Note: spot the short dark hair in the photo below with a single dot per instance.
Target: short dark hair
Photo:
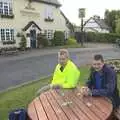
(98, 57)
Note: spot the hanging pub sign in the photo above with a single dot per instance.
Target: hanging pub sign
(81, 12)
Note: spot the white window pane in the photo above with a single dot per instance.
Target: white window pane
(12, 34)
(1, 8)
(10, 9)
(48, 12)
(2, 34)
(6, 8)
(7, 34)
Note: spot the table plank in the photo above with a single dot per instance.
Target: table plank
(32, 112)
(99, 103)
(57, 108)
(95, 109)
(76, 110)
(66, 109)
(40, 110)
(86, 110)
(105, 102)
(48, 108)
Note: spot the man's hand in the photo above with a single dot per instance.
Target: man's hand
(85, 91)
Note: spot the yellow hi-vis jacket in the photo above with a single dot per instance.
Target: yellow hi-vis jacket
(68, 78)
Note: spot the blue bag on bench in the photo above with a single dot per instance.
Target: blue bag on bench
(18, 114)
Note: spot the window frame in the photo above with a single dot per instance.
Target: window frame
(49, 34)
(49, 13)
(6, 8)
(7, 34)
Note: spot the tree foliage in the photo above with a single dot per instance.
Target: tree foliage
(42, 41)
(23, 42)
(111, 18)
(58, 38)
(117, 30)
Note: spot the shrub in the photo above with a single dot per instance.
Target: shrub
(71, 41)
(19, 34)
(23, 42)
(58, 38)
(41, 40)
(8, 42)
(102, 37)
(8, 48)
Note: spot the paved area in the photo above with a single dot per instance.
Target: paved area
(15, 70)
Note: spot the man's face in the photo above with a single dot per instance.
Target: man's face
(97, 65)
(62, 59)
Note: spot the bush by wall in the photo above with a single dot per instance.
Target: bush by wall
(71, 41)
(23, 42)
(102, 37)
(41, 41)
(58, 38)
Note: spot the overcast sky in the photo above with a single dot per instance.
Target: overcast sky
(93, 7)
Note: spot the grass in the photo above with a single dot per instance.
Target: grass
(67, 46)
(19, 97)
(22, 96)
(73, 46)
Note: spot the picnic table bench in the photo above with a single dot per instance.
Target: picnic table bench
(49, 106)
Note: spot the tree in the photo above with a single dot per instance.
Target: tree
(111, 18)
(117, 30)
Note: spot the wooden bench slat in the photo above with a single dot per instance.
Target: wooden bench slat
(47, 107)
(32, 112)
(84, 108)
(60, 114)
(66, 109)
(40, 111)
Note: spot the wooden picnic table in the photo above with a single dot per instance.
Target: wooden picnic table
(50, 106)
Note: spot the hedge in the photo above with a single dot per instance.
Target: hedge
(71, 41)
(102, 37)
(58, 38)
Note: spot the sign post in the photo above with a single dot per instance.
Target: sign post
(82, 15)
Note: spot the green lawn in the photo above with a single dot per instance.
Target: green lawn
(22, 96)
(73, 46)
(66, 46)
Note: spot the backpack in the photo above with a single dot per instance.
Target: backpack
(18, 114)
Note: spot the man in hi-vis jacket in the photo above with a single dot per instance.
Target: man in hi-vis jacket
(66, 74)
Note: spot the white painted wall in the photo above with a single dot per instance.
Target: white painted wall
(23, 16)
(94, 25)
